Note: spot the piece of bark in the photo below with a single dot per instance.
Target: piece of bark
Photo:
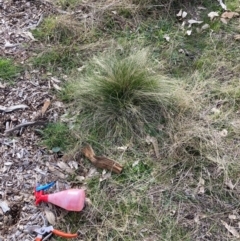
(100, 161)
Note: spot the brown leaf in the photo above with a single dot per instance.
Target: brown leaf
(229, 15)
(224, 20)
(45, 106)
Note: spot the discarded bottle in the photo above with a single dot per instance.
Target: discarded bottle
(71, 199)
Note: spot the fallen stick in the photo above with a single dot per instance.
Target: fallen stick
(101, 162)
(33, 123)
(12, 108)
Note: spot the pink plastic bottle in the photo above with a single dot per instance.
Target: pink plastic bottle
(71, 199)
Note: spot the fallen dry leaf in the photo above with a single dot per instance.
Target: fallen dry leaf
(166, 37)
(30, 35)
(237, 37)
(45, 106)
(192, 21)
(122, 148)
(201, 190)
(153, 140)
(105, 175)
(184, 14)
(4, 206)
(56, 86)
(212, 15)
(229, 184)
(50, 216)
(88, 201)
(231, 229)
(80, 178)
(53, 79)
(2, 86)
(179, 14)
(135, 163)
(189, 32)
(201, 183)
(224, 133)
(65, 167)
(229, 15)
(197, 219)
(205, 26)
(224, 20)
(232, 216)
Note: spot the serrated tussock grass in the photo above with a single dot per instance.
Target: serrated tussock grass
(122, 97)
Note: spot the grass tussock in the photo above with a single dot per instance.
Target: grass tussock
(122, 97)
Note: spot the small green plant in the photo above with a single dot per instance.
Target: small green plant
(7, 69)
(56, 136)
(120, 97)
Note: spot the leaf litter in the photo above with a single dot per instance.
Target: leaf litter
(27, 103)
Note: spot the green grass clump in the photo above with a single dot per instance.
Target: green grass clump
(121, 97)
(57, 136)
(7, 69)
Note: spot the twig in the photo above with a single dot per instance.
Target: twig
(33, 123)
